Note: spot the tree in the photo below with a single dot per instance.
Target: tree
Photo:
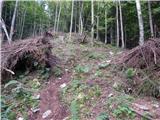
(55, 19)
(121, 24)
(92, 21)
(105, 27)
(150, 18)
(97, 37)
(59, 16)
(117, 22)
(140, 22)
(13, 21)
(71, 18)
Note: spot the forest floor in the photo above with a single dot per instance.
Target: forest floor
(89, 87)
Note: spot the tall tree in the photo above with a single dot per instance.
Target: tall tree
(97, 37)
(55, 17)
(117, 24)
(121, 24)
(59, 15)
(140, 22)
(92, 21)
(71, 18)
(105, 26)
(13, 21)
(150, 18)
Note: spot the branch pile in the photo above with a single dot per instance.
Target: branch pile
(38, 49)
(146, 56)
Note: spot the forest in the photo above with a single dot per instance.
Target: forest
(80, 60)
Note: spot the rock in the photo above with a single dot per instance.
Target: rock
(59, 78)
(63, 85)
(20, 118)
(111, 53)
(35, 110)
(108, 61)
(37, 97)
(156, 105)
(46, 114)
(110, 95)
(143, 107)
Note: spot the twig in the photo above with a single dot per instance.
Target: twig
(9, 71)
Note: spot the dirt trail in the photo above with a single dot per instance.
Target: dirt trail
(50, 100)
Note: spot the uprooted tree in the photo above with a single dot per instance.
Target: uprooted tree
(23, 54)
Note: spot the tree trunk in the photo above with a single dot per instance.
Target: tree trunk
(97, 37)
(140, 22)
(1, 4)
(24, 16)
(150, 18)
(71, 18)
(81, 30)
(105, 26)
(59, 16)
(117, 16)
(121, 23)
(13, 21)
(92, 22)
(55, 19)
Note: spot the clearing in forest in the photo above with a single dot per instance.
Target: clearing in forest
(85, 86)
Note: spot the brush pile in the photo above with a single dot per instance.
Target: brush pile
(26, 51)
(143, 57)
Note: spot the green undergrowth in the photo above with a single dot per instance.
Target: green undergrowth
(21, 94)
(119, 107)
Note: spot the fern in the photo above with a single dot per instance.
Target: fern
(74, 110)
(103, 116)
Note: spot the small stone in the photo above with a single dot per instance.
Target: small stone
(156, 105)
(20, 118)
(35, 110)
(37, 97)
(111, 53)
(46, 114)
(59, 78)
(110, 95)
(143, 107)
(108, 61)
(63, 85)
(66, 70)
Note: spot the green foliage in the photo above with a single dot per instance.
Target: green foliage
(103, 65)
(130, 73)
(82, 69)
(123, 111)
(57, 71)
(98, 73)
(95, 56)
(74, 110)
(102, 116)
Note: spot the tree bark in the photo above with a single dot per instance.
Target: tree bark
(97, 37)
(105, 27)
(24, 16)
(140, 22)
(150, 19)
(13, 21)
(81, 21)
(71, 18)
(92, 22)
(55, 20)
(117, 20)
(121, 24)
(59, 16)
(1, 4)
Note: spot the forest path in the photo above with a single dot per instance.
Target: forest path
(91, 81)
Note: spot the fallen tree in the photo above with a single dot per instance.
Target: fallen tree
(146, 56)
(23, 54)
